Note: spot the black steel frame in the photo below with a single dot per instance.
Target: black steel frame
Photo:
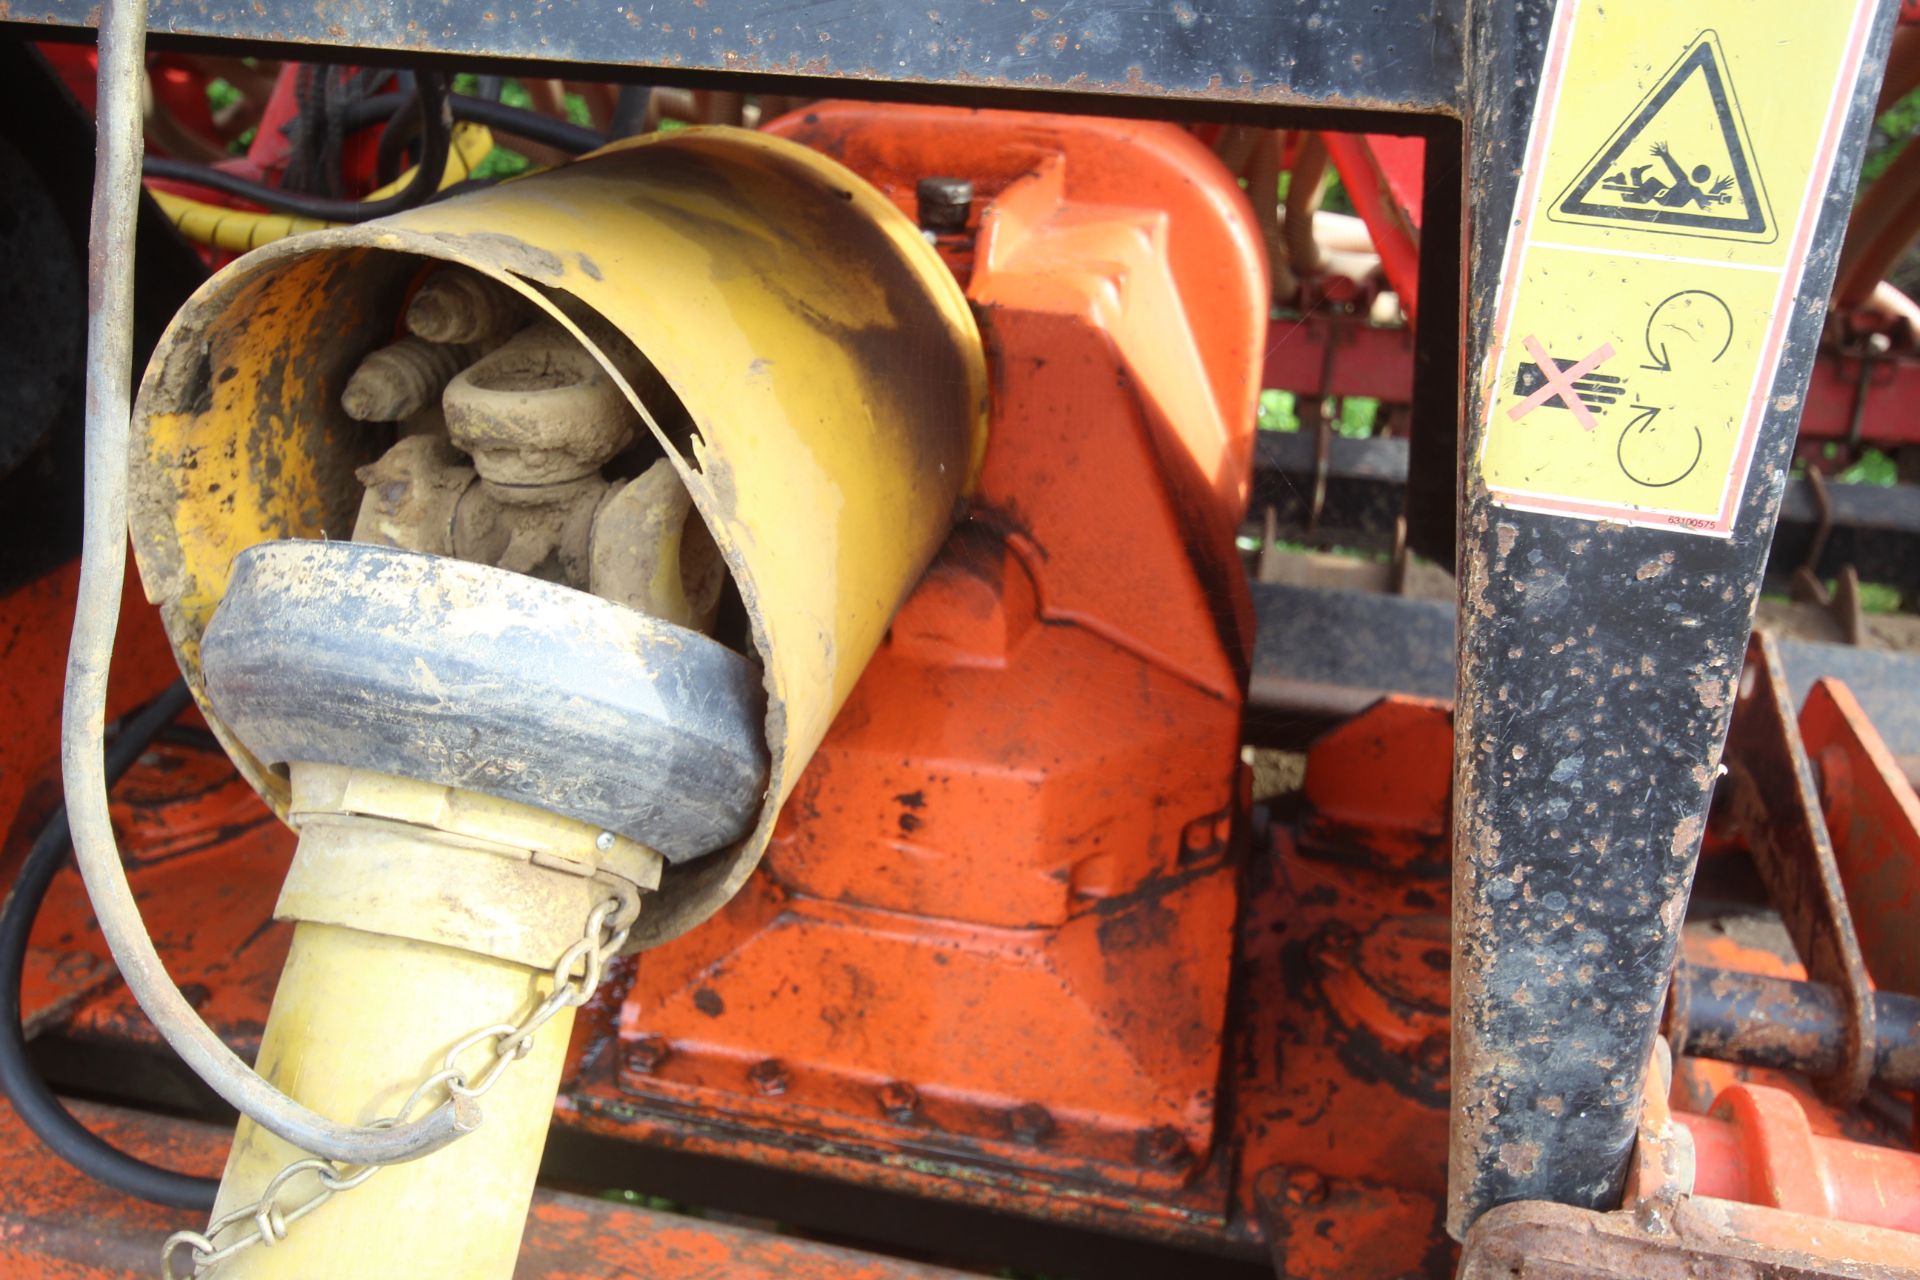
(1580, 792)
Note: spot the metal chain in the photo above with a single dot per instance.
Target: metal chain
(605, 934)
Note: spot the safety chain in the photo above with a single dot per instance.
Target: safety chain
(605, 934)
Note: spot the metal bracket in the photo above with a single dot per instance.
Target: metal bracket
(1774, 800)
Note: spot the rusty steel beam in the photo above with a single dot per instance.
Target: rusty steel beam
(1873, 817)
(1711, 1240)
(1369, 486)
(1352, 54)
(1773, 799)
(1597, 661)
(1386, 644)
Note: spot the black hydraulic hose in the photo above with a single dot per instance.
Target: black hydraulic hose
(436, 127)
(32, 1100)
(496, 116)
(630, 111)
(518, 122)
(561, 135)
(401, 128)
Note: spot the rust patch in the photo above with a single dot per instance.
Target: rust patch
(1520, 1158)
(1713, 693)
(1654, 568)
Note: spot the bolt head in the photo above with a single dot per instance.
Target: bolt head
(644, 1056)
(1306, 1186)
(1162, 1147)
(944, 203)
(1031, 1123)
(604, 841)
(769, 1077)
(900, 1102)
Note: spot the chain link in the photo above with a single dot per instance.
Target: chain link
(575, 977)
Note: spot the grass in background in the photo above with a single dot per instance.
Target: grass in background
(1354, 418)
(1878, 597)
(501, 162)
(1890, 132)
(1874, 468)
(1880, 470)
(1333, 197)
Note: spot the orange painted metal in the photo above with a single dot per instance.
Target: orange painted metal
(1382, 790)
(1335, 1076)
(1135, 230)
(995, 924)
(57, 1225)
(1342, 1069)
(1382, 176)
(207, 860)
(34, 623)
(1758, 1147)
(1337, 1080)
(35, 620)
(1747, 1191)
(1319, 1228)
(1874, 819)
(181, 799)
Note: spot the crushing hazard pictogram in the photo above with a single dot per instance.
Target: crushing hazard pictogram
(1646, 293)
(1682, 162)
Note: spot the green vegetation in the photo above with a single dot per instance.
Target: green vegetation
(1353, 416)
(1878, 597)
(504, 161)
(1334, 198)
(1874, 468)
(1890, 133)
(1880, 470)
(501, 162)
(221, 95)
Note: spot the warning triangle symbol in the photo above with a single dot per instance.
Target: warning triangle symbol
(1682, 163)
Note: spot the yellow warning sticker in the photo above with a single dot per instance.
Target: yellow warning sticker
(1682, 162)
(1666, 206)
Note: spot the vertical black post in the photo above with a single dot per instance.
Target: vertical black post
(1598, 653)
(1433, 445)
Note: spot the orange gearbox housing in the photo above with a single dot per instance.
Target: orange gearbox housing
(996, 921)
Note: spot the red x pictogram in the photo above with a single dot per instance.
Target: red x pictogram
(1559, 382)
